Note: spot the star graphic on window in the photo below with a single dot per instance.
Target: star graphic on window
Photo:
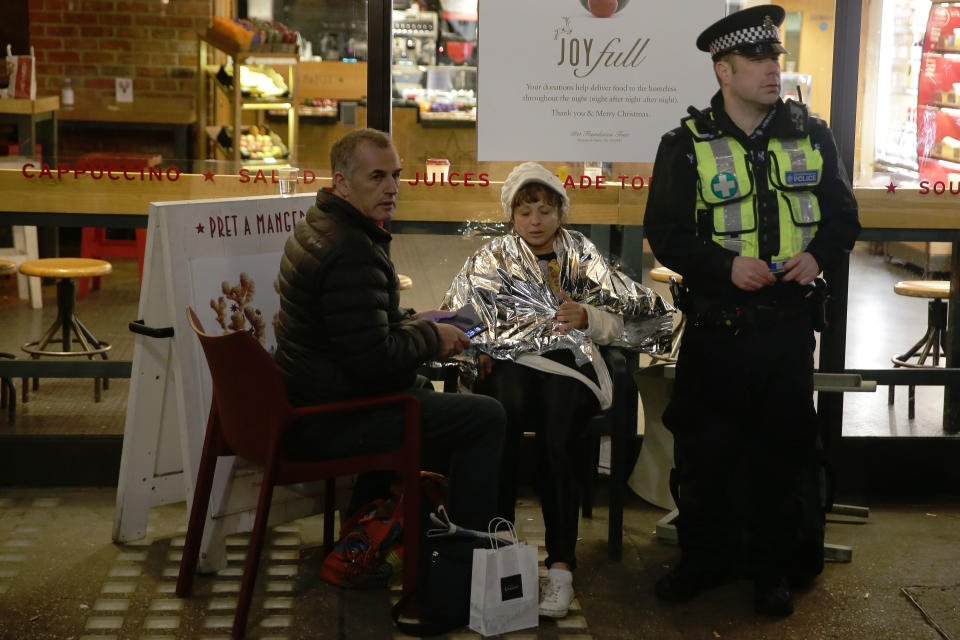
(234, 308)
(199, 228)
(207, 175)
(891, 188)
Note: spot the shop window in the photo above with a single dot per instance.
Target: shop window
(331, 73)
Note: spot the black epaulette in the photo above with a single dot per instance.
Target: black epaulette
(669, 136)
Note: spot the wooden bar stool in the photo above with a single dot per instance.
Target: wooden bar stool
(932, 343)
(8, 391)
(67, 323)
(675, 280)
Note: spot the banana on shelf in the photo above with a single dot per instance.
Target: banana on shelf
(256, 81)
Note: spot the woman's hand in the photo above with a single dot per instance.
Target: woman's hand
(570, 315)
(484, 366)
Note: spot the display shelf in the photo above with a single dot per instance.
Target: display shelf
(305, 110)
(209, 87)
(273, 51)
(214, 138)
(248, 102)
(447, 118)
(954, 164)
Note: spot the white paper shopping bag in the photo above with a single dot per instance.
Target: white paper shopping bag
(504, 585)
(23, 76)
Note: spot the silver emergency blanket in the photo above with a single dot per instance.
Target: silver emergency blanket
(504, 283)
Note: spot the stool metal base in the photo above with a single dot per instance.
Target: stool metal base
(69, 328)
(929, 346)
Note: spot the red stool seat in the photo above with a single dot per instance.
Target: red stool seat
(94, 242)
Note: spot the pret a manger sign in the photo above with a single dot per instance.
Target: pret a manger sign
(591, 80)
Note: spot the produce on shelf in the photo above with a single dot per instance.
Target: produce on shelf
(256, 142)
(263, 35)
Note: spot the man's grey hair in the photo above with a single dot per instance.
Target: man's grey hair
(342, 154)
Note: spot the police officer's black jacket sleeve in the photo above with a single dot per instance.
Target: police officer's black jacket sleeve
(670, 219)
(840, 223)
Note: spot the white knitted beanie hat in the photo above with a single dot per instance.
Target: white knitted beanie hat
(526, 173)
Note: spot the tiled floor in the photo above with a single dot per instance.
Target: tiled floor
(62, 578)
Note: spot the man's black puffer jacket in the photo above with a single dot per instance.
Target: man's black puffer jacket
(341, 332)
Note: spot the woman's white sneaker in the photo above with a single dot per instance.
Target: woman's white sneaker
(556, 594)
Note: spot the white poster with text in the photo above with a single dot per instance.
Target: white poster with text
(588, 80)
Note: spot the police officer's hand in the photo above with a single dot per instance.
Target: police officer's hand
(751, 274)
(802, 267)
(484, 366)
(570, 315)
(452, 340)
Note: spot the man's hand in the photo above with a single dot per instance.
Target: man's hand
(570, 315)
(751, 274)
(484, 366)
(452, 340)
(802, 267)
(434, 314)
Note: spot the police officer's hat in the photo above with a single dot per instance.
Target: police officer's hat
(752, 32)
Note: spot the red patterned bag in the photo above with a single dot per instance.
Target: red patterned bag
(359, 559)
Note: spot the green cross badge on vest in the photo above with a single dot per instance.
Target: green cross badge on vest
(724, 185)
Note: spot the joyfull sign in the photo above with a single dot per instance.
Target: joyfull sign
(598, 81)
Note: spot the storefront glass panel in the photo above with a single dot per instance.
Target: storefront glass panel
(907, 123)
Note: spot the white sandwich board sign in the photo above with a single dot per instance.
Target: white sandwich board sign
(222, 258)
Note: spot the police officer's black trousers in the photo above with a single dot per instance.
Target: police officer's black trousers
(747, 474)
(557, 408)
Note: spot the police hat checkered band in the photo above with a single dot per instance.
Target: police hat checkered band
(759, 34)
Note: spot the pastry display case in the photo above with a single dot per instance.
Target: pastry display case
(443, 95)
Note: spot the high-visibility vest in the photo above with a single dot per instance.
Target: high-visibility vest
(726, 193)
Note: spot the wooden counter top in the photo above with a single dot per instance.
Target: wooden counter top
(905, 209)
(40, 105)
(141, 111)
(104, 196)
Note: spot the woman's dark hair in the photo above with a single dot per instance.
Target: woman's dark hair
(533, 191)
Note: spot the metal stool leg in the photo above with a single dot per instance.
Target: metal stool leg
(8, 391)
(69, 327)
(929, 346)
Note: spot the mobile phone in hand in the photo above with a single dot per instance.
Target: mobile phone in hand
(467, 320)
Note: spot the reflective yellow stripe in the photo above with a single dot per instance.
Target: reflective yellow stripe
(795, 170)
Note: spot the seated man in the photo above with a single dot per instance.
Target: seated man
(342, 334)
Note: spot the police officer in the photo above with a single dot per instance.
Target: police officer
(749, 204)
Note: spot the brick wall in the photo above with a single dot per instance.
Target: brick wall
(94, 41)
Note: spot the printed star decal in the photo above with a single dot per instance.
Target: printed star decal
(208, 175)
(199, 228)
(891, 188)
(234, 308)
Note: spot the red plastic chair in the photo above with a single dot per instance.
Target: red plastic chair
(94, 243)
(248, 417)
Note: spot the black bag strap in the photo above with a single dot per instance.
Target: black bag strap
(420, 629)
